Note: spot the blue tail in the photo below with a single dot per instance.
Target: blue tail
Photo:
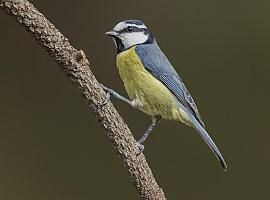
(202, 132)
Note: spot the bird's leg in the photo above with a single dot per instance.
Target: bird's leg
(112, 93)
(155, 121)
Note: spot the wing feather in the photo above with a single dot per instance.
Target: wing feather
(159, 66)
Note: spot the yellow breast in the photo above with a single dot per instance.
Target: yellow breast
(141, 86)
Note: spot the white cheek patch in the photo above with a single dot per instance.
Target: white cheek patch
(131, 39)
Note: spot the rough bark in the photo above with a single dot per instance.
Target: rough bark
(76, 67)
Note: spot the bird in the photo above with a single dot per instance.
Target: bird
(152, 84)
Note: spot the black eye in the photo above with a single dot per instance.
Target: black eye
(129, 29)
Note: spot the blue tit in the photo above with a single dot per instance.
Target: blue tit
(151, 82)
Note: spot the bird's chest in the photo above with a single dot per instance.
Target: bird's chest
(132, 72)
(141, 86)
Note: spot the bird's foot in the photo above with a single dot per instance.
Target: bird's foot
(141, 146)
(109, 93)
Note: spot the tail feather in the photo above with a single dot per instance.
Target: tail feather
(202, 132)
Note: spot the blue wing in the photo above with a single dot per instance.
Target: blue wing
(159, 66)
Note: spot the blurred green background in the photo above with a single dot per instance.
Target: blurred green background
(51, 146)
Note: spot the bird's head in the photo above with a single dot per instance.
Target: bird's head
(129, 33)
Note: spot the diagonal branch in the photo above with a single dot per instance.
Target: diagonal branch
(76, 67)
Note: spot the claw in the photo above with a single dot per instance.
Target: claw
(108, 95)
(106, 100)
(141, 146)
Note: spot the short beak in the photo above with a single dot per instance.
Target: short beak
(112, 33)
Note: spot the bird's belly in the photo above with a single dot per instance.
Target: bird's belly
(152, 95)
